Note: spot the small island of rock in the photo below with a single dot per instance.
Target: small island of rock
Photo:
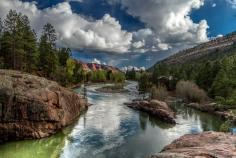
(158, 108)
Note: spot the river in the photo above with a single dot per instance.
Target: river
(109, 129)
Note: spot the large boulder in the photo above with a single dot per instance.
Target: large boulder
(34, 107)
(203, 145)
(160, 104)
(155, 107)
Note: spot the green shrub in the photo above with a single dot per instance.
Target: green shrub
(159, 93)
(190, 91)
(225, 127)
(227, 102)
(117, 77)
(220, 99)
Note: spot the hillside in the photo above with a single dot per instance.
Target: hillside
(211, 66)
(217, 47)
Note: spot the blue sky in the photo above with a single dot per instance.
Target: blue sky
(221, 19)
(129, 32)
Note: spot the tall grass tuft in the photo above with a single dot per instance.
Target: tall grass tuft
(159, 93)
(190, 91)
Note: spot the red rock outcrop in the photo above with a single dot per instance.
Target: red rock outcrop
(95, 67)
(203, 145)
(34, 107)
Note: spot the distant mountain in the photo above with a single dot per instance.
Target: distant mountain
(95, 67)
(213, 49)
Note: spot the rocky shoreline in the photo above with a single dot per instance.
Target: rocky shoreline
(203, 145)
(33, 107)
(154, 107)
(213, 108)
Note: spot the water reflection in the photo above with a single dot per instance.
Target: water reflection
(108, 124)
(144, 118)
(43, 148)
(110, 129)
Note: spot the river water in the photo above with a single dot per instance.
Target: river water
(109, 129)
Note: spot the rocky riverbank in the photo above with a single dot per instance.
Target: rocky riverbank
(216, 109)
(203, 145)
(154, 107)
(34, 107)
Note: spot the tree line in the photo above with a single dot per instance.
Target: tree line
(20, 49)
(133, 74)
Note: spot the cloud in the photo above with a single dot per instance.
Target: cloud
(129, 68)
(232, 3)
(214, 5)
(96, 61)
(73, 30)
(75, 1)
(146, 40)
(138, 44)
(168, 23)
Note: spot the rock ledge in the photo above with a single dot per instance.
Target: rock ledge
(34, 107)
(203, 145)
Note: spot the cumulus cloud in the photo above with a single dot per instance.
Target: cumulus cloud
(73, 30)
(168, 23)
(232, 3)
(96, 61)
(138, 44)
(146, 40)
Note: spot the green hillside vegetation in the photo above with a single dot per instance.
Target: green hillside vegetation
(214, 73)
(21, 50)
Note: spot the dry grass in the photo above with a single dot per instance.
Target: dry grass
(159, 93)
(190, 91)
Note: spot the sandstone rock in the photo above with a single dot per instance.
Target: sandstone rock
(203, 145)
(34, 107)
(154, 107)
(160, 104)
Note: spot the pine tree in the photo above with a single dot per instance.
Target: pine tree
(19, 43)
(30, 45)
(50, 33)
(9, 39)
(1, 55)
(63, 55)
(48, 53)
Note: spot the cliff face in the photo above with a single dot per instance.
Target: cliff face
(34, 107)
(95, 67)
